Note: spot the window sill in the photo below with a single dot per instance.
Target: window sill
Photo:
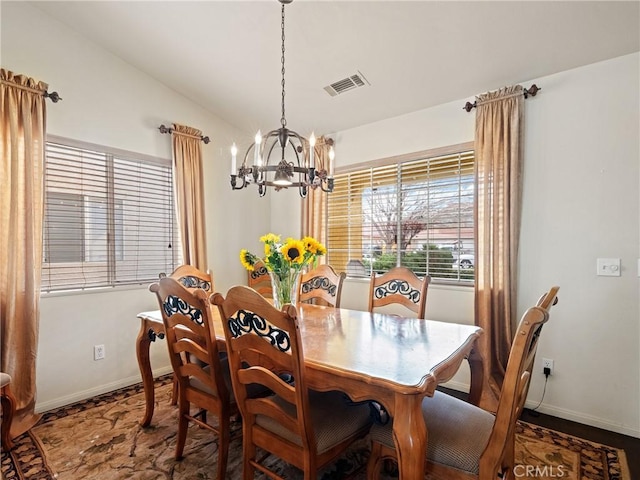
(93, 291)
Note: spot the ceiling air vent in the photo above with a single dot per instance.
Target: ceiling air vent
(346, 84)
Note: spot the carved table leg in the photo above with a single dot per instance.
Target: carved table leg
(477, 375)
(410, 436)
(148, 332)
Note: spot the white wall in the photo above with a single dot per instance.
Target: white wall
(108, 102)
(581, 201)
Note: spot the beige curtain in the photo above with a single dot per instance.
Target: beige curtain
(314, 207)
(22, 137)
(498, 150)
(187, 161)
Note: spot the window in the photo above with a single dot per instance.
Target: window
(109, 217)
(415, 211)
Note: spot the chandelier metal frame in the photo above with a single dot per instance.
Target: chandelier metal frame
(284, 171)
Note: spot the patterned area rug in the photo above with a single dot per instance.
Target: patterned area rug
(101, 439)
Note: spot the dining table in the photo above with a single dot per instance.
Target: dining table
(394, 361)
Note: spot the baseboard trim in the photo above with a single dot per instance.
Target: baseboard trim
(92, 392)
(564, 413)
(583, 418)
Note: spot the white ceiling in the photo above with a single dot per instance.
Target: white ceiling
(225, 55)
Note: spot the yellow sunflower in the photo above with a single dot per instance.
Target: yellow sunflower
(313, 246)
(293, 251)
(270, 238)
(247, 259)
(310, 244)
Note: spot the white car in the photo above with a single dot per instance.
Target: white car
(465, 261)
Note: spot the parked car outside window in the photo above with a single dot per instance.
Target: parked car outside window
(465, 261)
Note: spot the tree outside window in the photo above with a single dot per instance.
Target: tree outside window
(418, 214)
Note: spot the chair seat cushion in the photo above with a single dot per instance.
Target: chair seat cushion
(334, 419)
(458, 432)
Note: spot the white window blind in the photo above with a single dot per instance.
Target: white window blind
(109, 217)
(417, 213)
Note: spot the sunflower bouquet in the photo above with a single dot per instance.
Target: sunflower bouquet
(284, 262)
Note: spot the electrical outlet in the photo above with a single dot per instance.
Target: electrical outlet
(98, 352)
(547, 363)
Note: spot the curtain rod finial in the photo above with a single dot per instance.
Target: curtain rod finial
(532, 90)
(55, 98)
(469, 106)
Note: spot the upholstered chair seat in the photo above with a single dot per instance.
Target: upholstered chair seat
(333, 422)
(459, 447)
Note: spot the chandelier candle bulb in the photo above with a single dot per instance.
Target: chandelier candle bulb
(234, 152)
(332, 156)
(256, 151)
(312, 145)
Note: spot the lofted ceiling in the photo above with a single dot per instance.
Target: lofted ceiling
(411, 55)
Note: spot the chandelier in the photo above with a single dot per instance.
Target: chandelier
(296, 164)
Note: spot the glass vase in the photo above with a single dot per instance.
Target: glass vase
(285, 288)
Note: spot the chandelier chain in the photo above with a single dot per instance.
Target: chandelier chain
(265, 172)
(283, 120)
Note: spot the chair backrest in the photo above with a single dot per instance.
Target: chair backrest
(259, 280)
(322, 286)
(263, 343)
(190, 277)
(191, 340)
(399, 286)
(516, 381)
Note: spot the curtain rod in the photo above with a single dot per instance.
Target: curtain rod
(532, 90)
(55, 98)
(164, 129)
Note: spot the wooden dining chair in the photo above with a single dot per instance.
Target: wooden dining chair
(305, 428)
(322, 286)
(8, 402)
(464, 441)
(203, 376)
(259, 280)
(191, 278)
(399, 286)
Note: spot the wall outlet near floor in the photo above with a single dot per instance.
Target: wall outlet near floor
(547, 363)
(98, 352)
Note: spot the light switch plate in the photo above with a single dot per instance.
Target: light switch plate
(608, 267)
